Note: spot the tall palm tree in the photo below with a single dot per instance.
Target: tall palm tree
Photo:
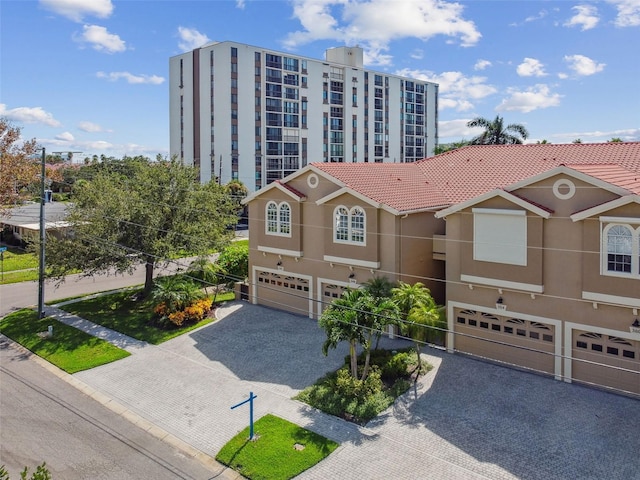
(496, 133)
(419, 311)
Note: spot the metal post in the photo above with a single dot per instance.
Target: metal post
(42, 239)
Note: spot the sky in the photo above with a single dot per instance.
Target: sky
(91, 76)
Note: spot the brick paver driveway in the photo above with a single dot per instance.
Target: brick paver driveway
(466, 419)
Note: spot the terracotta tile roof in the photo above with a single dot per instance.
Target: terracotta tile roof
(467, 172)
(613, 174)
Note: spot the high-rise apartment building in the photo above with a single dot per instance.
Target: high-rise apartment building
(257, 115)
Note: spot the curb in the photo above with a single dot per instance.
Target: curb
(219, 470)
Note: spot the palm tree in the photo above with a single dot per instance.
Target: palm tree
(340, 322)
(496, 133)
(419, 311)
(175, 292)
(357, 317)
(206, 271)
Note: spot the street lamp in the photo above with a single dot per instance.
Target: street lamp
(42, 239)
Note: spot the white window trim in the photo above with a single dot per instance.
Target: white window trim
(497, 253)
(349, 226)
(633, 224)
(279, 232)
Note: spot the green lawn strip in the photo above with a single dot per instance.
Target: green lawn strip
(335, 396)
(120, 311)
(70, 349)
(16, 277)
(16, 259)
(273, 454)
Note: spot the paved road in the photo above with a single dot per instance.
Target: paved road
(44, 418)
(15, 296)
(465, 420)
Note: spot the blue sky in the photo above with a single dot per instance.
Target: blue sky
(92, 75)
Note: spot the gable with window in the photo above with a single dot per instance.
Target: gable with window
(349, 225)
(620, 251)
(278, 217)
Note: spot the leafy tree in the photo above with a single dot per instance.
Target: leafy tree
(357, 317)
(615, 140)
(577, 140)
(496, 133)
(140, 212)
(18, 168)
(419, 310)
(543, 142)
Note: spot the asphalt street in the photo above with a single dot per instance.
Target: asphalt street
(46, 418)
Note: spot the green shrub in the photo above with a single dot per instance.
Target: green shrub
(234, 263)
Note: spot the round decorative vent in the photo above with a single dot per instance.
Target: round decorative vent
(564, 189)
(312, 180)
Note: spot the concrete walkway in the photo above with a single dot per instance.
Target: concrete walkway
(118, 339)
(464, 420)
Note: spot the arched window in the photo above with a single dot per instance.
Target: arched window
(350, 225)
(285, 218)
(621, 247)
(278, 219)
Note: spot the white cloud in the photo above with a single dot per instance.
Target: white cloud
(455, 89)
(628, 13)
(586, 17)
(627, 135)
(563, 76)
(455, 129)
(374, 24)
(583, 66)
(131, 78)
(101, 40)
(190, 38)
(541, 14)
(29, 115)
(482, 64)
(240, 4)
(76, 10)
(90, 127)
(417, 54)
(531, 67)
(65, 137)
(534, 98)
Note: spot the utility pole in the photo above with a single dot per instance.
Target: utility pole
(42, 240)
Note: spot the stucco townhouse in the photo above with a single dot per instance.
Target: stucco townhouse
(534, 249)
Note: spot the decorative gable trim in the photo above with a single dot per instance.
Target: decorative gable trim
(349, 191)
(605, 207)
(521, 202)
(294, 194)
(564, 170)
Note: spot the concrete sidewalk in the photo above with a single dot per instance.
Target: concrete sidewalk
(118, 339)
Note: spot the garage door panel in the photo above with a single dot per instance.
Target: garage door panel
(283, 291)
(505, 339)
(606, 360)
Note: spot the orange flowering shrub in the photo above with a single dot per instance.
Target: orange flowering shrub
(193, 313)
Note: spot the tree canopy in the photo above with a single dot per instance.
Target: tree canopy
(137, 211)
(497, 133)
(18, 169)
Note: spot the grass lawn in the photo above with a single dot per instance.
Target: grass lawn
(275, 454)
(341, 395)
(17, 259)
(16, 277)
(119, 311)
(69, 349)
